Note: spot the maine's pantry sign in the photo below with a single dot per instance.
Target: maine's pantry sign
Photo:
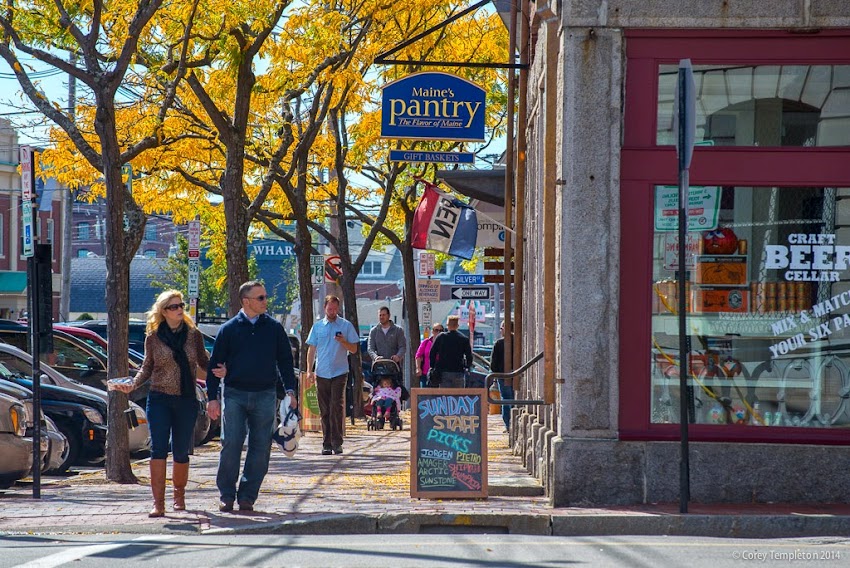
(433, 106)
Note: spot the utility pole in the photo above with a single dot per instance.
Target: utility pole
(68, 213)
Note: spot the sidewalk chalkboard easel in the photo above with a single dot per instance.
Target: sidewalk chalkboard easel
(448, 448)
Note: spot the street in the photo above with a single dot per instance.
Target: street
(418, 550)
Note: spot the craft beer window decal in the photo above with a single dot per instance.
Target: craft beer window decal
(768, 300)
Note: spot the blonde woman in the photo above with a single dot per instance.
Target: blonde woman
(174, 348)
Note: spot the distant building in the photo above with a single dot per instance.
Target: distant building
(89, 232)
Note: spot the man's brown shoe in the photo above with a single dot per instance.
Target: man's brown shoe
(246, 506)
(225, 506)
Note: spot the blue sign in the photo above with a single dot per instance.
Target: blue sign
(433, 106)
(432, 157)
(463, 279)
(271, 249)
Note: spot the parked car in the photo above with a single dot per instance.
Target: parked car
(26, 399)
(86, 364)
(16, 360)
(80, 417)
(59, 448)
(15, 447)
(136, 331)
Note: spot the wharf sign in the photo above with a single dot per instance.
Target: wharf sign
(433, 106)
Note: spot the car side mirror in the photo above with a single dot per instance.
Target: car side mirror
(93, 364)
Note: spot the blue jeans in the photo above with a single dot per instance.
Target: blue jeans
(507, 393)
(171, 417)
(250, 414)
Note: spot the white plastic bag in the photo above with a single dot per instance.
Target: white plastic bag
(288, 433)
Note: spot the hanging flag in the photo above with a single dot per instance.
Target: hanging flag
(444, 223)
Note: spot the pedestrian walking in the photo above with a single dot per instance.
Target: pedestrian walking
(386, 339)
(451, 356)
(423, 361)
(497, 365)
(251, 354)
(330, 341)
(174, 349)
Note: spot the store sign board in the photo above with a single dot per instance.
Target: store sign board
(703, 208)
(432, 157)
(433, 106)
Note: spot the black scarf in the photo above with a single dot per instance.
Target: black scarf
(176, 341)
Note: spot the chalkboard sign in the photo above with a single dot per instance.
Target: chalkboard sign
(448, 448)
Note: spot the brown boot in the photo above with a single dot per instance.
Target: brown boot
(179, 477)
(158, 488)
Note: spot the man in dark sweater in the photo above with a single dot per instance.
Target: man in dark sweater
(251, 354)
(451, 356)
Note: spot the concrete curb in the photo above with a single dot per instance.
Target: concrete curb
(728, 526)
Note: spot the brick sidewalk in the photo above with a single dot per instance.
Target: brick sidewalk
(366, 489)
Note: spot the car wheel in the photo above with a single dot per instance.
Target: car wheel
(214, 431)
(74, 446)
(202, 428)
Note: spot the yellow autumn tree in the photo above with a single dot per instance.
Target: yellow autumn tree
(100, 44)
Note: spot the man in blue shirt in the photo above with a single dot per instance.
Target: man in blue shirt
(251, 354)
(330, 341)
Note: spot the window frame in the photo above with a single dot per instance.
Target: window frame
(644, 165)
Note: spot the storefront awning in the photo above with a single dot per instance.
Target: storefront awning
(484, 185)
(13, 282)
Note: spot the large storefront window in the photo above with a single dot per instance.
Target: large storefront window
(763, 105)
(768, 301)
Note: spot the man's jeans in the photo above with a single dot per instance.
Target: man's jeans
(507, 393)
(252, 414)
(452, 380)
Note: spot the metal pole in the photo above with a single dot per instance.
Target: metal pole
(684, 463)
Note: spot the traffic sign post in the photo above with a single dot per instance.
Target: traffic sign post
(26, 200)
(333, 268)
(193, 279)
(317, 269)
(426, 263)
(426, 316)
(471, 292)
(428, 290)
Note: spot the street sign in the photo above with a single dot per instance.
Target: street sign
(426, 314)
(426, 263)
(428, 290)
(466, 279)
(471, 292)
(194, 279)
(333, 268)
(194, 236)
(26, 199)
(317, 269)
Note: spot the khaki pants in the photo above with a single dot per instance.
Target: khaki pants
(331, 394)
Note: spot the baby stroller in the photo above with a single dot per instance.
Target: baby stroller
(385, 369)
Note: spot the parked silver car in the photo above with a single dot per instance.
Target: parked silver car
(58, 450)
(15, 447)
(21, 362)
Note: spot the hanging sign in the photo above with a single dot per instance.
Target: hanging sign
(433, 106)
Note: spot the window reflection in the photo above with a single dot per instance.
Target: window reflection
(764, 105)
(768, 301)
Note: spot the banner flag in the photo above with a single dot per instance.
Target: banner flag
(444, 223)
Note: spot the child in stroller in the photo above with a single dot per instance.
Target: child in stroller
(386, 396)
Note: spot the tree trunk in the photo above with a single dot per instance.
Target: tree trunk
(236, 217)
(349, 299)
(412, 303)
(303, 249)
(117, 296)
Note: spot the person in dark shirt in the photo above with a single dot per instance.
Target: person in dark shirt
(251, 354)
(497, 365)
(451, 356)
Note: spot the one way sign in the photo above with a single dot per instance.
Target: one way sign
(471, 292)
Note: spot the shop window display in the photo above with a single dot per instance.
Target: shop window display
(768, 302)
